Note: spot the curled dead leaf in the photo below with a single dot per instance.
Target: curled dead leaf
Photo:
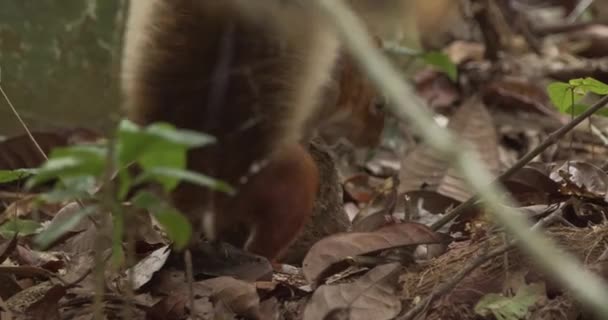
(334, 249)
(145, 269)
(370, 297)
(240, 296)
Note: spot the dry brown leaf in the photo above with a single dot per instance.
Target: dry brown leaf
(167, 281)
(530, 186)
(424, 168)
(430, 201)
(240, 296)
(436, 89)
(78, 271)
(590, 42)
(39, 301)
(582, 179)
(52, 261)
(8, 286)
(20, 208)
(358, 188)
(7, 247)
(269, 309)
(25, 271)
(224, 259)
(93, 238)
(512, 94)
(215, 298)
(373, 296)
(174, 307)
(144, 269)
(66, 213)
(381, 206)
(331, 250)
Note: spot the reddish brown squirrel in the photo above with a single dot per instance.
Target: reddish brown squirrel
(256, 75)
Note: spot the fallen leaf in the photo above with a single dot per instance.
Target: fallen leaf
(530, 186)
(424, 168)
(7, 247)
(582, 179)
(8, 286)
(436, 88)
(334, 249)
(38, 300)
(373, 296)
(240, 296)
(144, 269)
(382, 205)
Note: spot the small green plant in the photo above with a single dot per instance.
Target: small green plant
(22, 227)
(510, 308)
(7, 176)
(442, 62)
(567, 96)
(158, 150)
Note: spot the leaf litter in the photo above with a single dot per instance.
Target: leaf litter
(376, 269)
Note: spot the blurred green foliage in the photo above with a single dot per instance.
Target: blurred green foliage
(59, 62)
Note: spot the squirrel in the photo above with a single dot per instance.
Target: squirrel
(255, 75)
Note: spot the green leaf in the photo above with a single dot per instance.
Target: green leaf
(176, 225)
(23, 227)
(59, 195)
(14, 175)
(576, 82)
(80, 187)
(591, 85)
(75, 161)
(169, 177)
(578, 108)
(159, 145)
(514, 308)
(92, 153)
(156, 144)
(442, 62)
(182, 137)
(146, 200)
(56, 230)
(164, 155)
(562, 95)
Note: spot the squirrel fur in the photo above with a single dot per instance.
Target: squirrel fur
(253, 74)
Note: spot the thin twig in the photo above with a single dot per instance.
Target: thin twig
(25, 127)
(190, 280)
(590, 289)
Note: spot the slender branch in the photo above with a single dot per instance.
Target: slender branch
(25, 127)
(406, 105)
